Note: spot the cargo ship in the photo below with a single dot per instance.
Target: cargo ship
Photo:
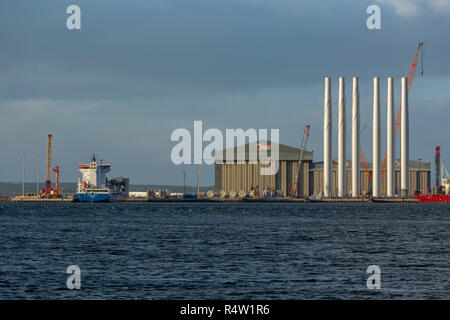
(94, 186)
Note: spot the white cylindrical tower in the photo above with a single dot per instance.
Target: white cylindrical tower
(355, 139)
(404, 143)
(376, 138)
(390, 142)
(327, 149)
(342, 174)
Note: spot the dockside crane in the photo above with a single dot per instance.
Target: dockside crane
(56, 190)
(412, 71)
(418, 54)
(437, 165)
(441, 186)
(294, 189)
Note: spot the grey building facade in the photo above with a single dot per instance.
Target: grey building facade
(419, 178)
(246, 175)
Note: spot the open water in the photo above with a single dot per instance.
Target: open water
(224, 250)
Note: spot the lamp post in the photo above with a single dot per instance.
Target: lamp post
(37, 173)
(23, 174)
(198, 181)
(419, 180)
(184, 183)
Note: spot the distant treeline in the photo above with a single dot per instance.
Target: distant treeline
(14, 189)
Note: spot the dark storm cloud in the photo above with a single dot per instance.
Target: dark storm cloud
(148, 48)
(139, 69)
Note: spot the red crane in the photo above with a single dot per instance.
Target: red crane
(56, 190)
(437, 163)
(412, 71)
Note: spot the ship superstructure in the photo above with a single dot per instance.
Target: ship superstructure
(93, 175)
(94, 186)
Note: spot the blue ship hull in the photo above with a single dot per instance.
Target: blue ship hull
(93, 197)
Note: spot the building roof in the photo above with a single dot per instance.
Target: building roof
(286, 153)
(413, 165)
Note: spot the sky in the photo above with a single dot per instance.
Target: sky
(139, 69)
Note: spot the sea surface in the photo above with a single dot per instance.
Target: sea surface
(224, 251)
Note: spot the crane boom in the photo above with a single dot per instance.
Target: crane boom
(300, 161)
(437, 163)
(56, 170)
(412, 71)
(444, 172)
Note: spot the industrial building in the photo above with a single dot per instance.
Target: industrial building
(342, 177)
(245, 176)
(419, 179)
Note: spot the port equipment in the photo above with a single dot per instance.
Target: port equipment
(56, 190)
(442, 183)
(412, 71)
(419, 52)
(444, 173)
(48, 168)
(445, 180)
(294, 189)
(437, 164)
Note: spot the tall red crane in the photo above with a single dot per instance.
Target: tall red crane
(412, 71)
(437, 163)
(56, 190)
(418, 54)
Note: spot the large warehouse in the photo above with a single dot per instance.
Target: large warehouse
(244, 176)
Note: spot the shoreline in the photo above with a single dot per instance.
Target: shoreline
(247, 200)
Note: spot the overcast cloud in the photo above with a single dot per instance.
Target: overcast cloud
(139, 69)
